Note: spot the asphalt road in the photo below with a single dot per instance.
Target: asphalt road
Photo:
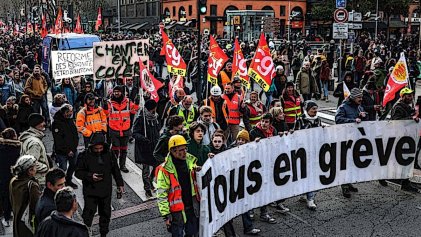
(373, 211)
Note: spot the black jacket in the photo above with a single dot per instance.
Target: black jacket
(89, 163)
(65, 134)
(10, 152)
(257, 133)
(45, 205)
(59, 225)
(368, 105)
(144, 146)
(22, 118)
(401, 111)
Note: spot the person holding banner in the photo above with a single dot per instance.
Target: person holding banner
(351, 111)
(118, 110)
(195, 143)
(177, 190)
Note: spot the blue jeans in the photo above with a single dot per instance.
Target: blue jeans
(325, 88)
(62, 164)
(247, 222)
(310, 196)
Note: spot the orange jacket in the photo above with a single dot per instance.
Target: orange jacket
(91, 121)
(119, 114)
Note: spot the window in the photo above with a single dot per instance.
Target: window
(282, 11)
(249, 7)
(213, 10)
(173, 11)
(190, 10)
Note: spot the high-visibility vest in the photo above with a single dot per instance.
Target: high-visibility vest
(88, 122)
(233, 107)
(190, 116)
(292, 110)
(119, 116)
(254, 117)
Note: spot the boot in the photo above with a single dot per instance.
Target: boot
(327, 99)
(123, 164)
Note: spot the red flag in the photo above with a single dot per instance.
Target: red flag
(44, 31)
(239, 66)
(175, 63)
(29, 29)
(164, 41)
(176, 82)
(98, 19)
(262, 69)
(148, 82)
(78, 27)
(217, 59)
(397, 80)
(58, 27)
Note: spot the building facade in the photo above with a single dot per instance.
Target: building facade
(290, 14)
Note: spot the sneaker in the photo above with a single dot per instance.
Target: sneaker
(383, 183)
(148, 194)
(124, 169)
(273, 204)
(346, 193)
(131, 140)
(251, 214)
(311, 205)
(282, 209)
(5, 223)
(267, 218)
(253, 231)
(71, 184)
(353, 189)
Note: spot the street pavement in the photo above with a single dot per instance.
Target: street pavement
(373, 211)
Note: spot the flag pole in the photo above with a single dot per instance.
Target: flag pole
(143, 109)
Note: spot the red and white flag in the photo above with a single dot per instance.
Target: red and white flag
(175, 63)
(148, 82)
(78, 27)
(58, 26)
(262, 69)
(217, 59)
(239, 66)
(44, 31)
(176, 82)
(98, 19)
(397, 80)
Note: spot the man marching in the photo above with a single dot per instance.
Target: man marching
(118, 110)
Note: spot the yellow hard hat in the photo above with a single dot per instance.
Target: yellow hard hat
(406, 91)
(176, 140)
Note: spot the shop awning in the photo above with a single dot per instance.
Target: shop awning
(139, 26)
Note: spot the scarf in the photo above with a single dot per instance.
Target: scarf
(268, 132)
(150, 116)
(309, 118)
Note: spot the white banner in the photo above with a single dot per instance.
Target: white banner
(118, 59)
(257, 174)
(71, 63)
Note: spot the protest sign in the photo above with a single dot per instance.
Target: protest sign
(118, 59)
(70, 63)
(272, 169)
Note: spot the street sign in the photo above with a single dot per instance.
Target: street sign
(340, 31)
(340, 15)
(351, 37)
(355, 26)
(340, 3)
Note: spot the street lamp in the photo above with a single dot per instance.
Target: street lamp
(377, 18)
(118, 15)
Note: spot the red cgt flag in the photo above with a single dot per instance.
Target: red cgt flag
(397, 80)
(217, 59)
(44, 31)
(175, 63)
(78, 27)
(58, 27)
(262, 69)
(239, 66)
(148, 82)
(98, 19)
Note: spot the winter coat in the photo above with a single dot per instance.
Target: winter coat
(401, 111)
(20, 197)
(5, 92)
(52, 109)
(33, 145)
(348, 112)
(65, 134)
(36, 87)
(305, 82)
(339, 91)
(256, 132)
(69, 91)
(217, 151)
(144, 146)
(59, 225)
(305, 123)
(10, 152)
(22, 117)
(45, 205)
(279, 81)
(161, 148)
(89, 163)
(280, 126)
(11, 115)
(368, 104)
(198, 150)
(210, 130)
(325, 72)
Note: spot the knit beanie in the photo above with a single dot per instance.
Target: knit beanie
(243, 134)
(23, 164)
(310, 104)
(35, 119)
(150, 105)
(355, 92)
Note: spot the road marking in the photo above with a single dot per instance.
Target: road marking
(134, 179)
(326, 116)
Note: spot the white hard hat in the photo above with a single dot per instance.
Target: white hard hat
(216, 91)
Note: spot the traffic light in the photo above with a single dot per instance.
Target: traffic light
(202, 7)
